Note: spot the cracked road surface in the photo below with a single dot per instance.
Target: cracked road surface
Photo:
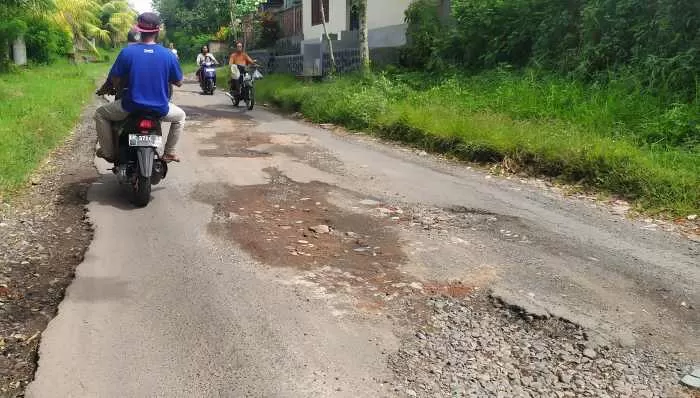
(282, 259)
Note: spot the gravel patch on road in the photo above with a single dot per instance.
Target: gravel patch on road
(475, 347)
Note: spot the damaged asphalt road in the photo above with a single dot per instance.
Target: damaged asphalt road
(282, 259)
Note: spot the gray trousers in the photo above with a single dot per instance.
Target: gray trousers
(113, 112)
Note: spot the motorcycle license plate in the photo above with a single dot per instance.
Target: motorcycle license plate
(210, 70)
(145, 140)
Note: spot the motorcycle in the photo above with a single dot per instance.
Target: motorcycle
(139, 164)
(207, 79)
(247, 92)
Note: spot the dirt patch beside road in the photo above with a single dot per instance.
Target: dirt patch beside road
(44, 234)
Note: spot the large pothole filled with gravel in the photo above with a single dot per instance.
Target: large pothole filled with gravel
(474, 347)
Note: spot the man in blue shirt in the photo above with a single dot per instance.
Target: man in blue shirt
(147, 69)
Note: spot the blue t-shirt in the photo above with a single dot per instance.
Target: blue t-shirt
(150, 68)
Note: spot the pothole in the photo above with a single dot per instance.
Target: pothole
(290, 224)
(236, 143)
(285, 223)
(475, 347)
(502, 227)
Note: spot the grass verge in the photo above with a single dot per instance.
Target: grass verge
(575, 137)
(188, 67)
(38, 108)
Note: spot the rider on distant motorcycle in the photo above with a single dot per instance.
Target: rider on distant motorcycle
(203, 57)
(148, 68)
(238, 60)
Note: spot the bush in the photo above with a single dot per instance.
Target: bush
(189, 46)
(656, 40)
(45, 41)
(9, 30)
(426, 38)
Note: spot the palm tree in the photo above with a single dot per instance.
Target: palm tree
(117, 18)
(80, 18)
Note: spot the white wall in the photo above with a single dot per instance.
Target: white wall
(381, 13)
(336, 15)
(387, 36)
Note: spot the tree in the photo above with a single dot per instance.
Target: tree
(117, 18)
(361, 7)
(192, 23)
(328, 39)
(242, 8)
(80, 18)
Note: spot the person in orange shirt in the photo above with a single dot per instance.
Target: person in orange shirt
(238, 60)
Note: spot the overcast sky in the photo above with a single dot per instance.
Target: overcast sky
(141, 5)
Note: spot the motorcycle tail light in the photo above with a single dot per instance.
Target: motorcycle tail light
(146, 124)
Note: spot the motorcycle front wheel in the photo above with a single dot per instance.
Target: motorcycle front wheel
(251, 98)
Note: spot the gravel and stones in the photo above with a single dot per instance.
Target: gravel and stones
(474, 347)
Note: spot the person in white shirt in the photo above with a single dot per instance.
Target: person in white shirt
(173, 50)
(202, 57)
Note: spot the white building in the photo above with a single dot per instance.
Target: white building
(385, 21)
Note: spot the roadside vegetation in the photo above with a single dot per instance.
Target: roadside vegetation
(38, 109)
(547, 89)
(194, 23)
(67, 43)
(500, 118)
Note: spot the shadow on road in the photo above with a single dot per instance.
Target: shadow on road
(91, 289)
(216, 111)
(108, 192)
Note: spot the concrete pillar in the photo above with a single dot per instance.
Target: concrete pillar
(19, 51)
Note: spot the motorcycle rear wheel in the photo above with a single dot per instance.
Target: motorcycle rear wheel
(142, 191)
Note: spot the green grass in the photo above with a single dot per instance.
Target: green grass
(38, 108)
(188, 67)
(608, 138)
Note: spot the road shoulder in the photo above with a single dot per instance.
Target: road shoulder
(44, 233)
